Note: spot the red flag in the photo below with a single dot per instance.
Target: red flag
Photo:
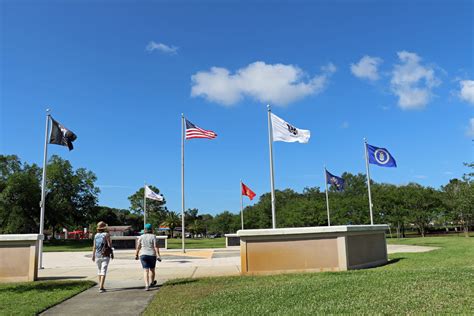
(246, 191)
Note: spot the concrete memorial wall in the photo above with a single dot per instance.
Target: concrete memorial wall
(331, 248)
(232, 240)
(129, 242)
(19, 257)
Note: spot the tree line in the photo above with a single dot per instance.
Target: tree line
(72, 202)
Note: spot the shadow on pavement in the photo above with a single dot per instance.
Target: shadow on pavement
(111, 290)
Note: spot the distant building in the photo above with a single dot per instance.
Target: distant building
(120, 230)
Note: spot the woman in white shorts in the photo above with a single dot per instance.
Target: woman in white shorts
(101, 239)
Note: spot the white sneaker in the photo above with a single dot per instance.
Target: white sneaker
(147, 288)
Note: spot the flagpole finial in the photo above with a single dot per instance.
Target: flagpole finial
(269, 107)
(365, 140)
(182, 114)
(48, 110)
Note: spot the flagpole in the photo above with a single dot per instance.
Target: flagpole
(368, 181)
(327, 196)
(272, 182)
(241, 205)
(182, 182)
(43, 190)
(144, 207)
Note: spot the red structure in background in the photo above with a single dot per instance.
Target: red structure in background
(77, 234)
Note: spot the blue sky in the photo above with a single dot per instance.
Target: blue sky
(120, 73)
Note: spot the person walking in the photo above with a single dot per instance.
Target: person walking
(102, 252)
(149, 253)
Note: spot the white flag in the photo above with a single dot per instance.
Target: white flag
(285, 132)
(149, 194)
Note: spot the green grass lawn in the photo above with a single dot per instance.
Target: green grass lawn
(67, 245)
(31, 298)
(439, 282)
(191, 243)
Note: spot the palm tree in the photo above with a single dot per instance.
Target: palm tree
(172, 220)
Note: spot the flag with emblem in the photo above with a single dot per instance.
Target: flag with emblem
(338, 182)
(380, 156)
(247, 192)
(285, 132)
(150, 194)
(193, 131)
(60, 135)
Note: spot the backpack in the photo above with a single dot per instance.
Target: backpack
(107, 251)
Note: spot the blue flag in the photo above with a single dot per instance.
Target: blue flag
(338, 182)
(380, 157)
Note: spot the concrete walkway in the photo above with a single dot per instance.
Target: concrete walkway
(125, 287)
(125, 293)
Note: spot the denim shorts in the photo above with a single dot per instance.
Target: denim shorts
(148, 262)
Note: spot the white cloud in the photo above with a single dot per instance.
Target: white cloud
(277, 84)
(412, 82)
(367, 68)
(171, 50)
(470, 128)
(467, 91)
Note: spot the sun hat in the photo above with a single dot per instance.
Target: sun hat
(101, 226)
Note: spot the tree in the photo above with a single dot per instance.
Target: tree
(206, 222)
(155, 210)
(225, 222)
(71, 196)
(9, 164)
(172, 220)
(19, 199)
(459, 201)
(422, 203)
(390, 208)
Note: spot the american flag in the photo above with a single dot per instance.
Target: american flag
(192, 131)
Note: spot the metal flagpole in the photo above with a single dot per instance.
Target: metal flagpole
(182, 181)
(272, 182)
(368, 181)
(241, 205)
(43, 190)
(327, 197)
(144, 207)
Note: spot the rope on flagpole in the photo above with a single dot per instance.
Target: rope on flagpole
(368, 181)
(43, 190)
(272, 181)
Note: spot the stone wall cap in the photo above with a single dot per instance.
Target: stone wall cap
(134, 237)
(21, 237)
(231, 235)
(310, 230)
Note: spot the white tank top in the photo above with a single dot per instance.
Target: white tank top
(148, 242)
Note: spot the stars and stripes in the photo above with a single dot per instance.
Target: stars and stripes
(193, 131)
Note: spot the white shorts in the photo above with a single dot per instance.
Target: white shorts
(102, 265)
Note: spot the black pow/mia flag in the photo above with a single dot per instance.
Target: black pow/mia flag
(61, 135)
